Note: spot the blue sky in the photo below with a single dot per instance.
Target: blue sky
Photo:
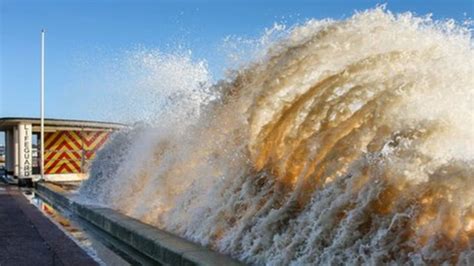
(98, 29)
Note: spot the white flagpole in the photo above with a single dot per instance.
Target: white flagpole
(42, 107)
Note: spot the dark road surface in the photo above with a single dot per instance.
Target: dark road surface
(29, 238)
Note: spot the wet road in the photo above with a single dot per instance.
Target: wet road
(29, 238)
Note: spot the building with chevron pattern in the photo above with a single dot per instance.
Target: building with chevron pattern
(69, 147)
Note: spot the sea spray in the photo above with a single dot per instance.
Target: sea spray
(146, 84)
(348, 142)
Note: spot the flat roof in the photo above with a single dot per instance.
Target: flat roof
(52, 123)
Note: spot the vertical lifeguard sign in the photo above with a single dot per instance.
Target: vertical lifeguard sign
(24, 151)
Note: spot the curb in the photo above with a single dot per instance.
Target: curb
(159, 245)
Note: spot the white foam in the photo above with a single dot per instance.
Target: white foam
(346, 142)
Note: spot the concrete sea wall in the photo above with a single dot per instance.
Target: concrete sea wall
(159, 245)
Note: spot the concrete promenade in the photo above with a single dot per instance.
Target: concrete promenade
(29, 238)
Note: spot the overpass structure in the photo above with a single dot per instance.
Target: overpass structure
(69, 147)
